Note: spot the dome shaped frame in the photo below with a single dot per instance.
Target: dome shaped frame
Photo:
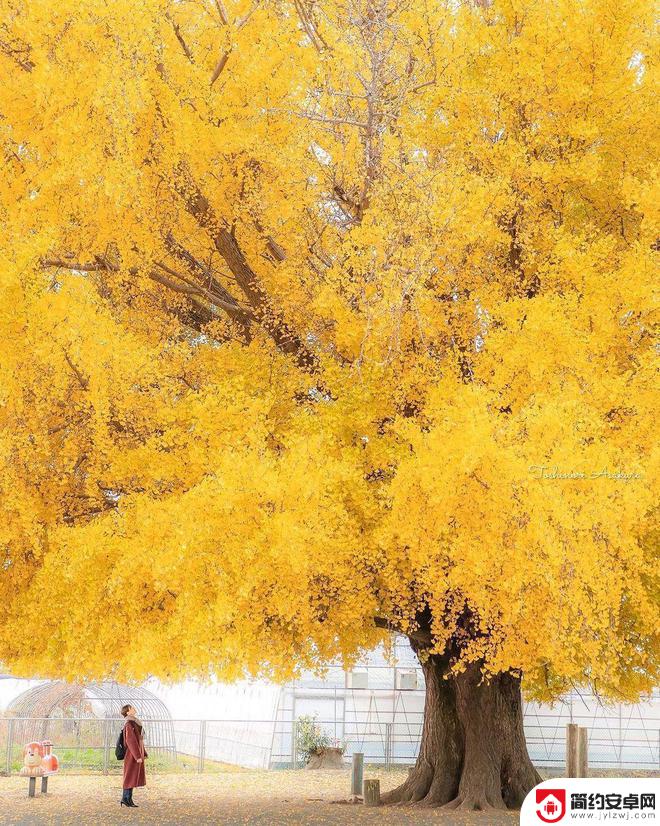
(34, 709)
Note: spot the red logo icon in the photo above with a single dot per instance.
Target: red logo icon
(551, 804)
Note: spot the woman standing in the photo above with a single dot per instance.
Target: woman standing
(134, 772)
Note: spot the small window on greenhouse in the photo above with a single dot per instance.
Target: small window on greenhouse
(357, 679)
(406, 680)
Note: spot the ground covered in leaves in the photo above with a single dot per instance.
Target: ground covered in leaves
(243, 797)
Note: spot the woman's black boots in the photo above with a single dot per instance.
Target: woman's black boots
(130, 799)
(126, 797)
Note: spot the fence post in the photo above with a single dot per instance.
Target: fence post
(202, 746)
(78, 725)
(10, 743)
(294, 744)
(357, 773)
(571, 750)
(106, 737)
(388, 745)
(583, 752)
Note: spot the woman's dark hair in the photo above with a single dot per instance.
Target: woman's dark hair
(125, 710)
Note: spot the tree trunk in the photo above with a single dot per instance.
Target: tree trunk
(473, 753)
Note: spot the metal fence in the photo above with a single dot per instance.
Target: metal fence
(86, 744)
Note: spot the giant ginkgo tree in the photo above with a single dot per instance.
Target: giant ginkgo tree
(323, 320)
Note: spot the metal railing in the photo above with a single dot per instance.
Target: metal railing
(85, 744)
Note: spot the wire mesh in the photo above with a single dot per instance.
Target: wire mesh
(62, 711)
(83, 744)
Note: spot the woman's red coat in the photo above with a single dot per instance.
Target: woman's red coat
(134, 773)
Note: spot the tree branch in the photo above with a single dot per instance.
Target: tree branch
(220, 65)
(19, 54)
(422, 638)
(195, 266)
(179, 37)
(196, 293)
(62, 263)
(310, 26)
(222, 12)
(264, 312)
(84, 382)
(215, 294)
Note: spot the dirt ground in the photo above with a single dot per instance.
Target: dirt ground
(249, 797)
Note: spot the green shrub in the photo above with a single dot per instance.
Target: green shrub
(311, 739)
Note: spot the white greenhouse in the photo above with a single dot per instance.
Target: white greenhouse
(376, 709)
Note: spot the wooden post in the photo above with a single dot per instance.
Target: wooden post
(583, 752)
(372, 792)
(357, 773)
(44, 785)
(572, 750)
(32, 786)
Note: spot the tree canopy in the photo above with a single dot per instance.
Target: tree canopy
(324, 318)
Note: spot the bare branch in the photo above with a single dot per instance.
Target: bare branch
(190, 288)
(182, 42)
(84, 382)
(243, 20)
(199, 268)
(77, 266)
(238, 24)
(310, 26)
(265, 312)
(205, 312)
(421, 637)
(330, 121)
(222, 12)
(275, 250)
(20, 54)
(220, 65)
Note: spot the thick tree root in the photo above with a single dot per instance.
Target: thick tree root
(413, 790)
(475, 803)
(424, 788)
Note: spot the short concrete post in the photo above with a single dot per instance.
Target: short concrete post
(583, 752)
(357, 773)
(372, 792)
(44, 785)
(572, 750)
(32, 786)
